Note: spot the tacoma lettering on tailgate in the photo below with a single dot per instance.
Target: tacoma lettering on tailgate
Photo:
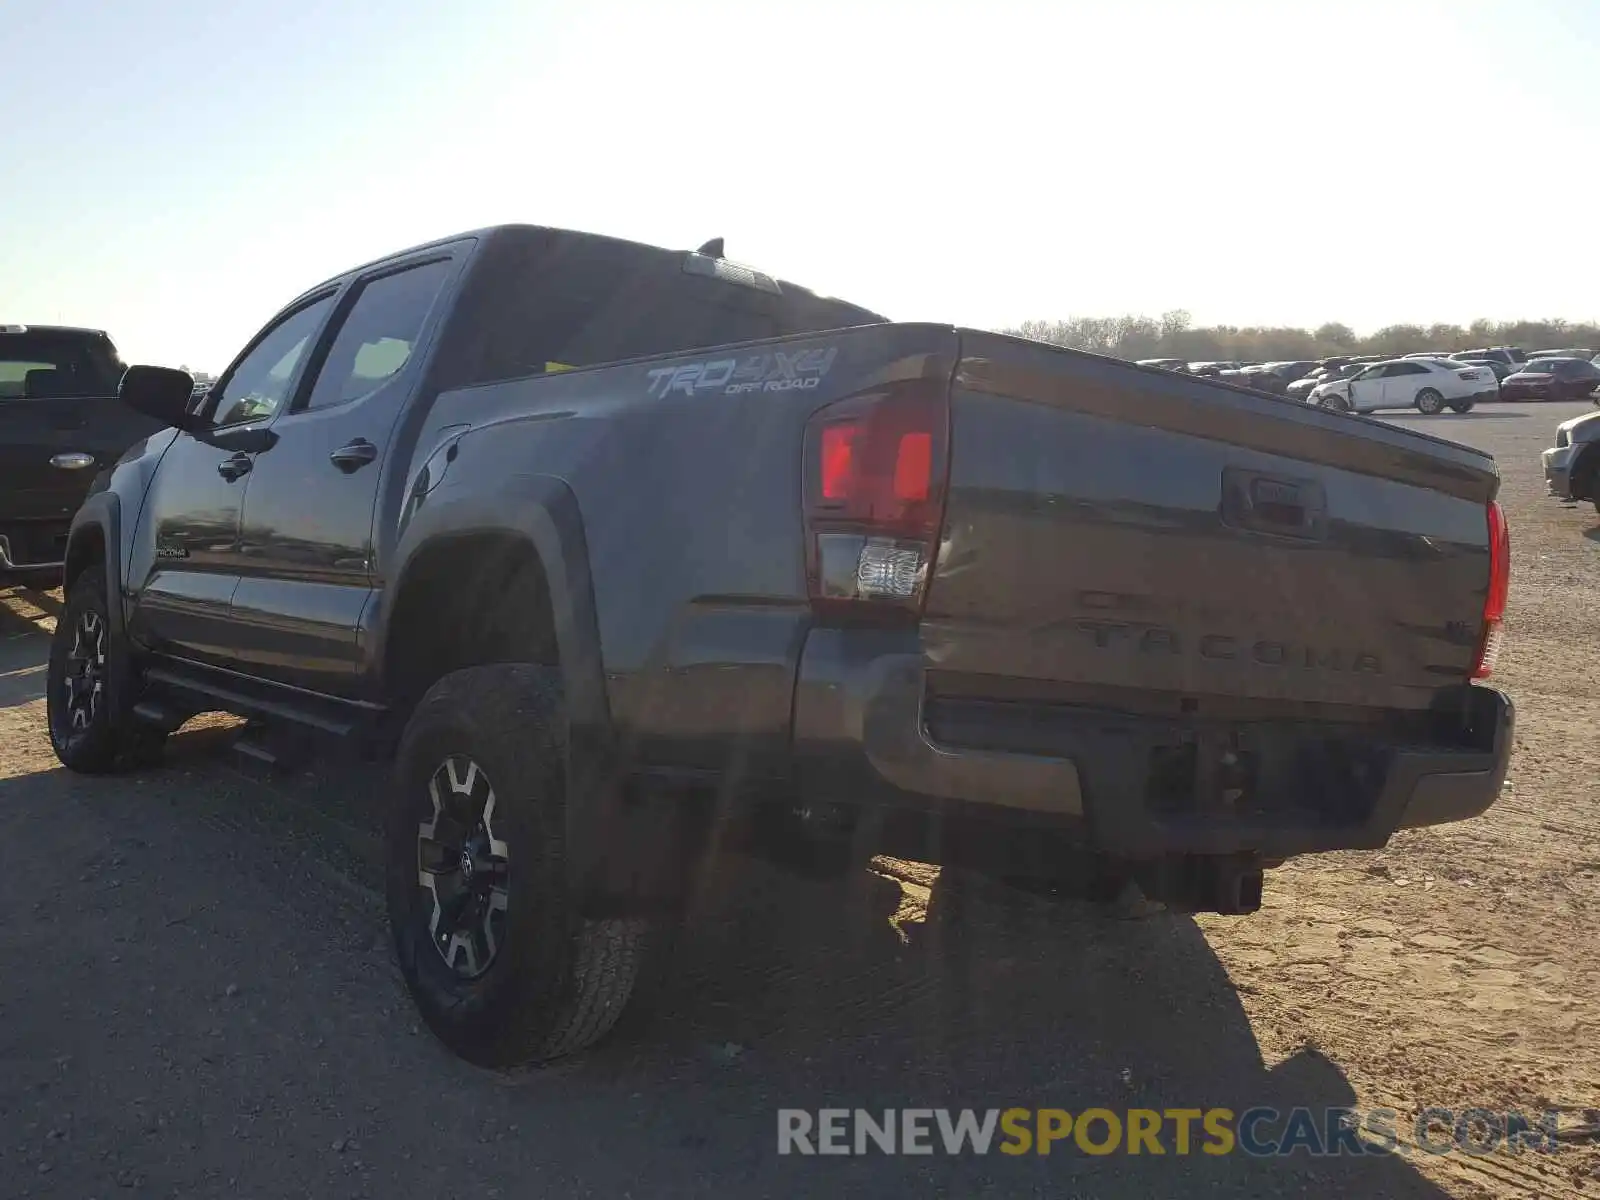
(1157, 639)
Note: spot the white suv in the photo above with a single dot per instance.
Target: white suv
(1427, 384)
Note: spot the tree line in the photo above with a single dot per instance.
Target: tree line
(1171, 335)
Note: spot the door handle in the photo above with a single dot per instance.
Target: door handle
(234, 466)
(354, 455)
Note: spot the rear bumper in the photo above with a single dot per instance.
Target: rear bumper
(867, 733)
(1558, 470)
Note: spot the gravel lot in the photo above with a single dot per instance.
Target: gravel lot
(197, 998)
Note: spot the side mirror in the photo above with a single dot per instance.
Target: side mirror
(162, 393)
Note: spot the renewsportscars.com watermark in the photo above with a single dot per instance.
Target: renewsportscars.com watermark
(1258, 1132)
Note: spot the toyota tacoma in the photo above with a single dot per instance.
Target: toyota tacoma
(607, 548)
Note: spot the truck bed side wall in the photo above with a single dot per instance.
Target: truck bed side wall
(687, 473)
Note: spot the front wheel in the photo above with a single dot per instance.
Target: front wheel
(502, 966)
(88, 705)
(1429, 402)
(1334, 404)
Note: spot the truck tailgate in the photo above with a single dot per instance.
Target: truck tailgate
(1170, 541)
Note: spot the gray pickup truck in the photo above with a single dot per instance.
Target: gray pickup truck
(609, 548)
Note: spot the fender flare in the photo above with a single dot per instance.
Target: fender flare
(101, 512)
(542, 511)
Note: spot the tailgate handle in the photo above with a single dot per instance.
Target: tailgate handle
(1273, 504)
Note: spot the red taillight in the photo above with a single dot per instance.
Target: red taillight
(913, 466)
(876, 466)
(1494, 601)
(837, 441)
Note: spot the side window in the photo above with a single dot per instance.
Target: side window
(378, 336)
(260, 383)
(1407, 369)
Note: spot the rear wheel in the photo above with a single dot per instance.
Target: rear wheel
(502, 966)
(1461, 406)
(88, 703)
(1429, 402)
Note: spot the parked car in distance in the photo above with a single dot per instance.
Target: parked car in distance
(1510, 355)
(1572, 465)
(1292, 370)
(1165, 364)
(1575, 352)
(1500, 367)
(1552, 379)
(1257, 376)
(1430, 385)
(601, 547)
(60, 424)
(1212, 369)
(1301, 388)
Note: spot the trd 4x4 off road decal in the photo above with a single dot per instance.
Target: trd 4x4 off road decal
(778, 371)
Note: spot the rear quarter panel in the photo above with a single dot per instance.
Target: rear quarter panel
(687, 474)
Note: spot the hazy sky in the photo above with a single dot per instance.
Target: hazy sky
(175, 170)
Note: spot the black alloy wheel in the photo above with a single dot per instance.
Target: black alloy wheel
(84, 676)
(88, 688)
(465, 868)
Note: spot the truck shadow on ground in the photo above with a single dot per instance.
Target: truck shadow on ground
(855, 995)
(866, 992)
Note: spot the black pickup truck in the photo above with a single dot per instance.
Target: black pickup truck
(60, 424)
(606, 547)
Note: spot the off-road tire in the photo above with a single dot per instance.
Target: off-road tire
(557, 982)
(1430, 403)
(113, 738)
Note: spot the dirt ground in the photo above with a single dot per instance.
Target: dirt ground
(197, 998)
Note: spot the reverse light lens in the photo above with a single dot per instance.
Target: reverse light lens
(888, 569)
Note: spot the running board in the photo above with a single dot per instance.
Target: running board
(237, 694)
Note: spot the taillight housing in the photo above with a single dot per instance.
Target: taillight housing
(876, 469)
(1494, 601)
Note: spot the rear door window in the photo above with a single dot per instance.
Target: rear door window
(378, 336)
